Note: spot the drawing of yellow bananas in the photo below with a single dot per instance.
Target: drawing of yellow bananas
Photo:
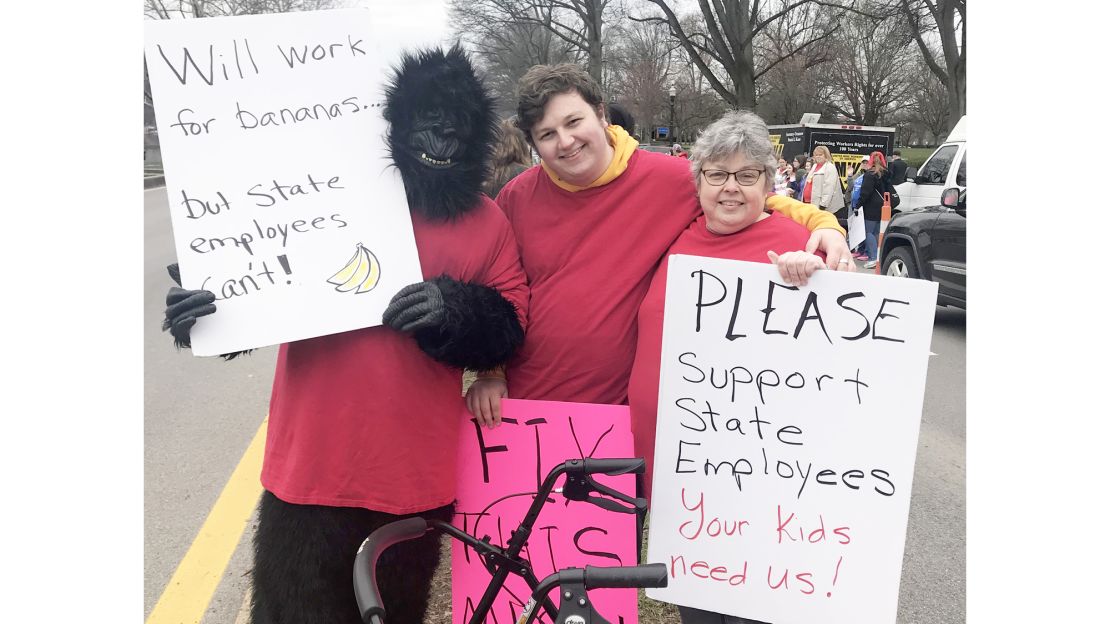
(361, 274)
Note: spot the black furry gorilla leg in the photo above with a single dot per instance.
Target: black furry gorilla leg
(303, 561)
(405, 572)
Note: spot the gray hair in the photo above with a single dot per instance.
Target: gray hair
(736, 132)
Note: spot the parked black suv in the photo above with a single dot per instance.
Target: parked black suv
(931, 243)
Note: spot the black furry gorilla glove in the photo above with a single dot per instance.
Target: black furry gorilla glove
(184, 307)
(414, 307)
(458, 323)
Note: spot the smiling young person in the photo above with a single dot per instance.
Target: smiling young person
(592, 225)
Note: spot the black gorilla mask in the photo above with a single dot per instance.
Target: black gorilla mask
(441, 128)
(435, 138)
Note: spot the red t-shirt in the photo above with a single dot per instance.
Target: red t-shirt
(364, 418)
(589, 257)
(775, 233)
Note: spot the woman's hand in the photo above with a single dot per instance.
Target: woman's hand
(796, 267)
(837, 255)
(483, 399)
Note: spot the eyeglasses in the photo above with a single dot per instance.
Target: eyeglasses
(744, 177)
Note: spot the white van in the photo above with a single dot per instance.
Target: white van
(945, 168)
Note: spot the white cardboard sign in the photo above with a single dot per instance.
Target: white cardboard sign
(786, 439)
(284, 201)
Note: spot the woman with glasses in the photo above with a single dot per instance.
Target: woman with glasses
(733, 164)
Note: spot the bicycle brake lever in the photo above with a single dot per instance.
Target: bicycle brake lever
(610, 504)
(578, 488)
(637, 504)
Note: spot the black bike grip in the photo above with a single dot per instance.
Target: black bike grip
(647, 575)
(631, 465)
(366, 564)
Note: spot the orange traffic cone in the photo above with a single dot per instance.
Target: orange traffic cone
(882, 228)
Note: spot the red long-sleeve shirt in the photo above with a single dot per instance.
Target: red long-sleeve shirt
(589, 257)
(366, 419)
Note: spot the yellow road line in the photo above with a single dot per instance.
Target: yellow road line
(189, 591)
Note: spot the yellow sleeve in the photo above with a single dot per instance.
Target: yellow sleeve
(806, 214)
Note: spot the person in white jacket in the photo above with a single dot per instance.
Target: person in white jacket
(823, 182)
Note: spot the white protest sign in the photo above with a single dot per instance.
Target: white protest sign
(786, 439)
(284, 202)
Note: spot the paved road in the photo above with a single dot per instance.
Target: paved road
(933, 569)
(201, 413)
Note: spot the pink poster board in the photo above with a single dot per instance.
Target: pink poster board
(498, 471)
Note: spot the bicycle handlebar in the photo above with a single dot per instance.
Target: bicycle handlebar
(594, 577)
(646, 575)
(575, 582)
(578, 486)
(634, 465)
(366, 575)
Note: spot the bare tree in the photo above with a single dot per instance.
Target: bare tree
(868, 70)
(170, 9)
(727, 36)
(696, 106)
(506, 45)
(929, 107)
(586, 33)
(578, 23)
(792, 87)
(639, 67)
(945, 19)
(696, 103)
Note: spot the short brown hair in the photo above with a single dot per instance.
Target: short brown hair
(542, 82)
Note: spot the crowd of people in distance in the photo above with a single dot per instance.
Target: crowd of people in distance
(814, 179)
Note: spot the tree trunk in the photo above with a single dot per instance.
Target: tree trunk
(745, 77)
(741, 37)
(957, 67)
(957, 97)
(592, 19)
(954, 73)
(594, 58)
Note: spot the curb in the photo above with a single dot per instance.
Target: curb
(244, 615)
(153, 181)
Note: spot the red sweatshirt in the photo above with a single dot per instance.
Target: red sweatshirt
(366, 419)
(775, 233)
(589, 257)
